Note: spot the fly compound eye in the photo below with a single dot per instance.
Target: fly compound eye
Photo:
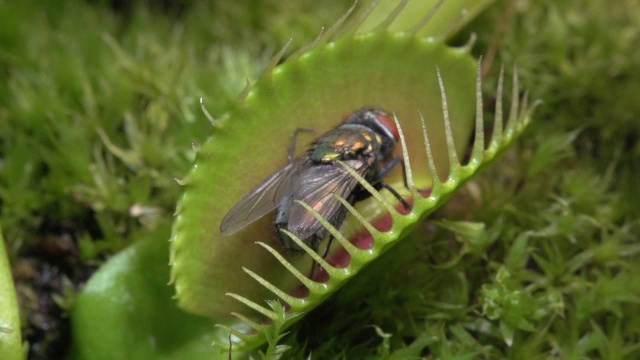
(388, 125)
(377, 120)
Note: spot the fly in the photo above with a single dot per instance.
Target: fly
(364, 141)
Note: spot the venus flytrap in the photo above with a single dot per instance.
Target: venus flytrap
(419, 79)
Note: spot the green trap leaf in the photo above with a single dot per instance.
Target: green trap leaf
(433, 91)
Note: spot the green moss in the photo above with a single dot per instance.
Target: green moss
(560, 212)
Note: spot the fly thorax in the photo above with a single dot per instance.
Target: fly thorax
(345, 144)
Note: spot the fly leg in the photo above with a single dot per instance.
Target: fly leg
(292, 147)
(390, 166)
(315, 264)
(385, 171)
(326, 249)
(393, 192)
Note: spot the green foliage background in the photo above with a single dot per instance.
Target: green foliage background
(537, 258)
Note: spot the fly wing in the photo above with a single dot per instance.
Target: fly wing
(317, 186)
(262, 199)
